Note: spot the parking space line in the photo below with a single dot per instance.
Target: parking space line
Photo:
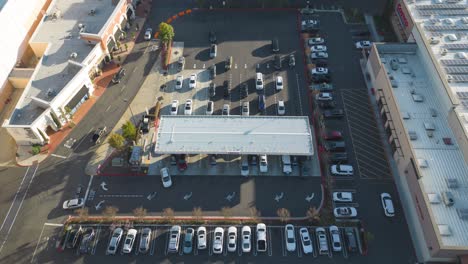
(166, 251)
(254, 241)
(38, 240)
(239, 244)
(137, 241)
(343, 243)
(314, 248)
(270, 247)
(283, 243)
(96, 241)
(181, 241)
(225, 242)
(210, 235)
(298, 244)
(153, 241)
(298, 94)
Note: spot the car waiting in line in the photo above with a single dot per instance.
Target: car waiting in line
(324, 97)
(338, 157)
(387, 204)
(166, 177)
(345, 212)
(333, 135)
(363, 44)
(73, 203)
(343, 197)
(315, 41)
(319, 55)
(341, 170)
(335, 113)
(318, 48)
(327, 104)
(319, 71)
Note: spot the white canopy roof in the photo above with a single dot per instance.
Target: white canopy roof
(271, 135)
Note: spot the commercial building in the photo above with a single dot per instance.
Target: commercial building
(422, 92)
(72, 42)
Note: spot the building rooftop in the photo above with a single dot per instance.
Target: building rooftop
(60, 28)
(445, 25)
(424, 111)
(234, 135)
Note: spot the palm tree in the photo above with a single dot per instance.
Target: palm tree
(168, 214)
(139, 212)
(226, 212)
(283, 214)
(197, 213)
(313, 214)
(110, 212)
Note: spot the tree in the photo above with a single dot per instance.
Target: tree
(283, 214)
(313, 214)
(126, 46)
(129, 131)
(116, 141)
(139, 212)
(166, 33)
(168, 214)
(82, 213)
(197, 213)
(110, 211)
(226, 212)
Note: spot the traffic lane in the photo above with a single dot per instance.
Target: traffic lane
(384, 229)
(11, 179)
(209, 193)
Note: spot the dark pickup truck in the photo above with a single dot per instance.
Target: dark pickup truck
(335, 146)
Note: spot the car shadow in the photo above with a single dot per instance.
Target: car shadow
(262, 52)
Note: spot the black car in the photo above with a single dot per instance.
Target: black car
(98, 134)
(321, 63)
(118, 76)
(338, 157)
(244, 90)
(145, 124)
(335, 146)
(275, 45)
(335, 113)
(321, 78)
(212, 90)
(326, 104)
(277, 62)
(226, 85)
(212, 37)
(213, 72)
(361, 33)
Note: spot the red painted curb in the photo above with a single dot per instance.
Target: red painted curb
(246, 9)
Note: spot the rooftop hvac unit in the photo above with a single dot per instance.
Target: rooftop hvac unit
(447, 198)
(73, 55)
(452, 183)
(443, 52)
(463, 213)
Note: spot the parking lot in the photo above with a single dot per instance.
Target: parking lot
(159, 240)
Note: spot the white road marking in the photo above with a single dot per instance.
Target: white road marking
(5, 236)
(135, 69)
(81, 141)
(37, 245)
(52, 224)
(235, 66)
(203, 65)
(194, 66)
(58, 156)
(89, 187)
(245, 66)
(299, 94)
(108, 108)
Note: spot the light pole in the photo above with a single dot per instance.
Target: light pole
(131, 112)
(308, 2)
(224, 12)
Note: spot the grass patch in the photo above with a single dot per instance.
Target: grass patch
(353, 15)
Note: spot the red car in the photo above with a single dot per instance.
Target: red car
(332, 135)
(182, 163)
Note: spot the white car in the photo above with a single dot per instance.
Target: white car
(246, 239)
(261, 238)
(318, 48)
(364, 44)
(148, 33)
(290, 238)
(259, 81)
(174, 239)
(115, 240)
(193, 81)
(226, 109)
(319, 55)
(166, 177)
(319, 71)
(73, 203)
(263, 163)
(342, 170)
(324, 97)
(343, 197)
(279, 83)
(245, 109)
(218, 240)
(232, 239)
(281, 108)
(322, 240)
(179, 81)
(188, 107)
(129, 240)
(305, 241)
(174, 107)
(345, 212)
(315, 41)
(201, 237)
(210, 108)
(387, 204)
(335, 238)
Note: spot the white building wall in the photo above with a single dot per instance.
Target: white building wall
(16, 19)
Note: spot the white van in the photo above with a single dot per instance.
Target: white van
(259, 81)
(286, 160)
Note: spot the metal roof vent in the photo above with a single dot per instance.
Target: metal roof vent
(463, 213)
(462, 55)
(443, 52)
(448, 198)
(422, 163)
(464, 20)
(92, 12)
(449, 21)
(434, 198)
(452, 183)
(73, 55)
(412, 135)
(444, 230)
